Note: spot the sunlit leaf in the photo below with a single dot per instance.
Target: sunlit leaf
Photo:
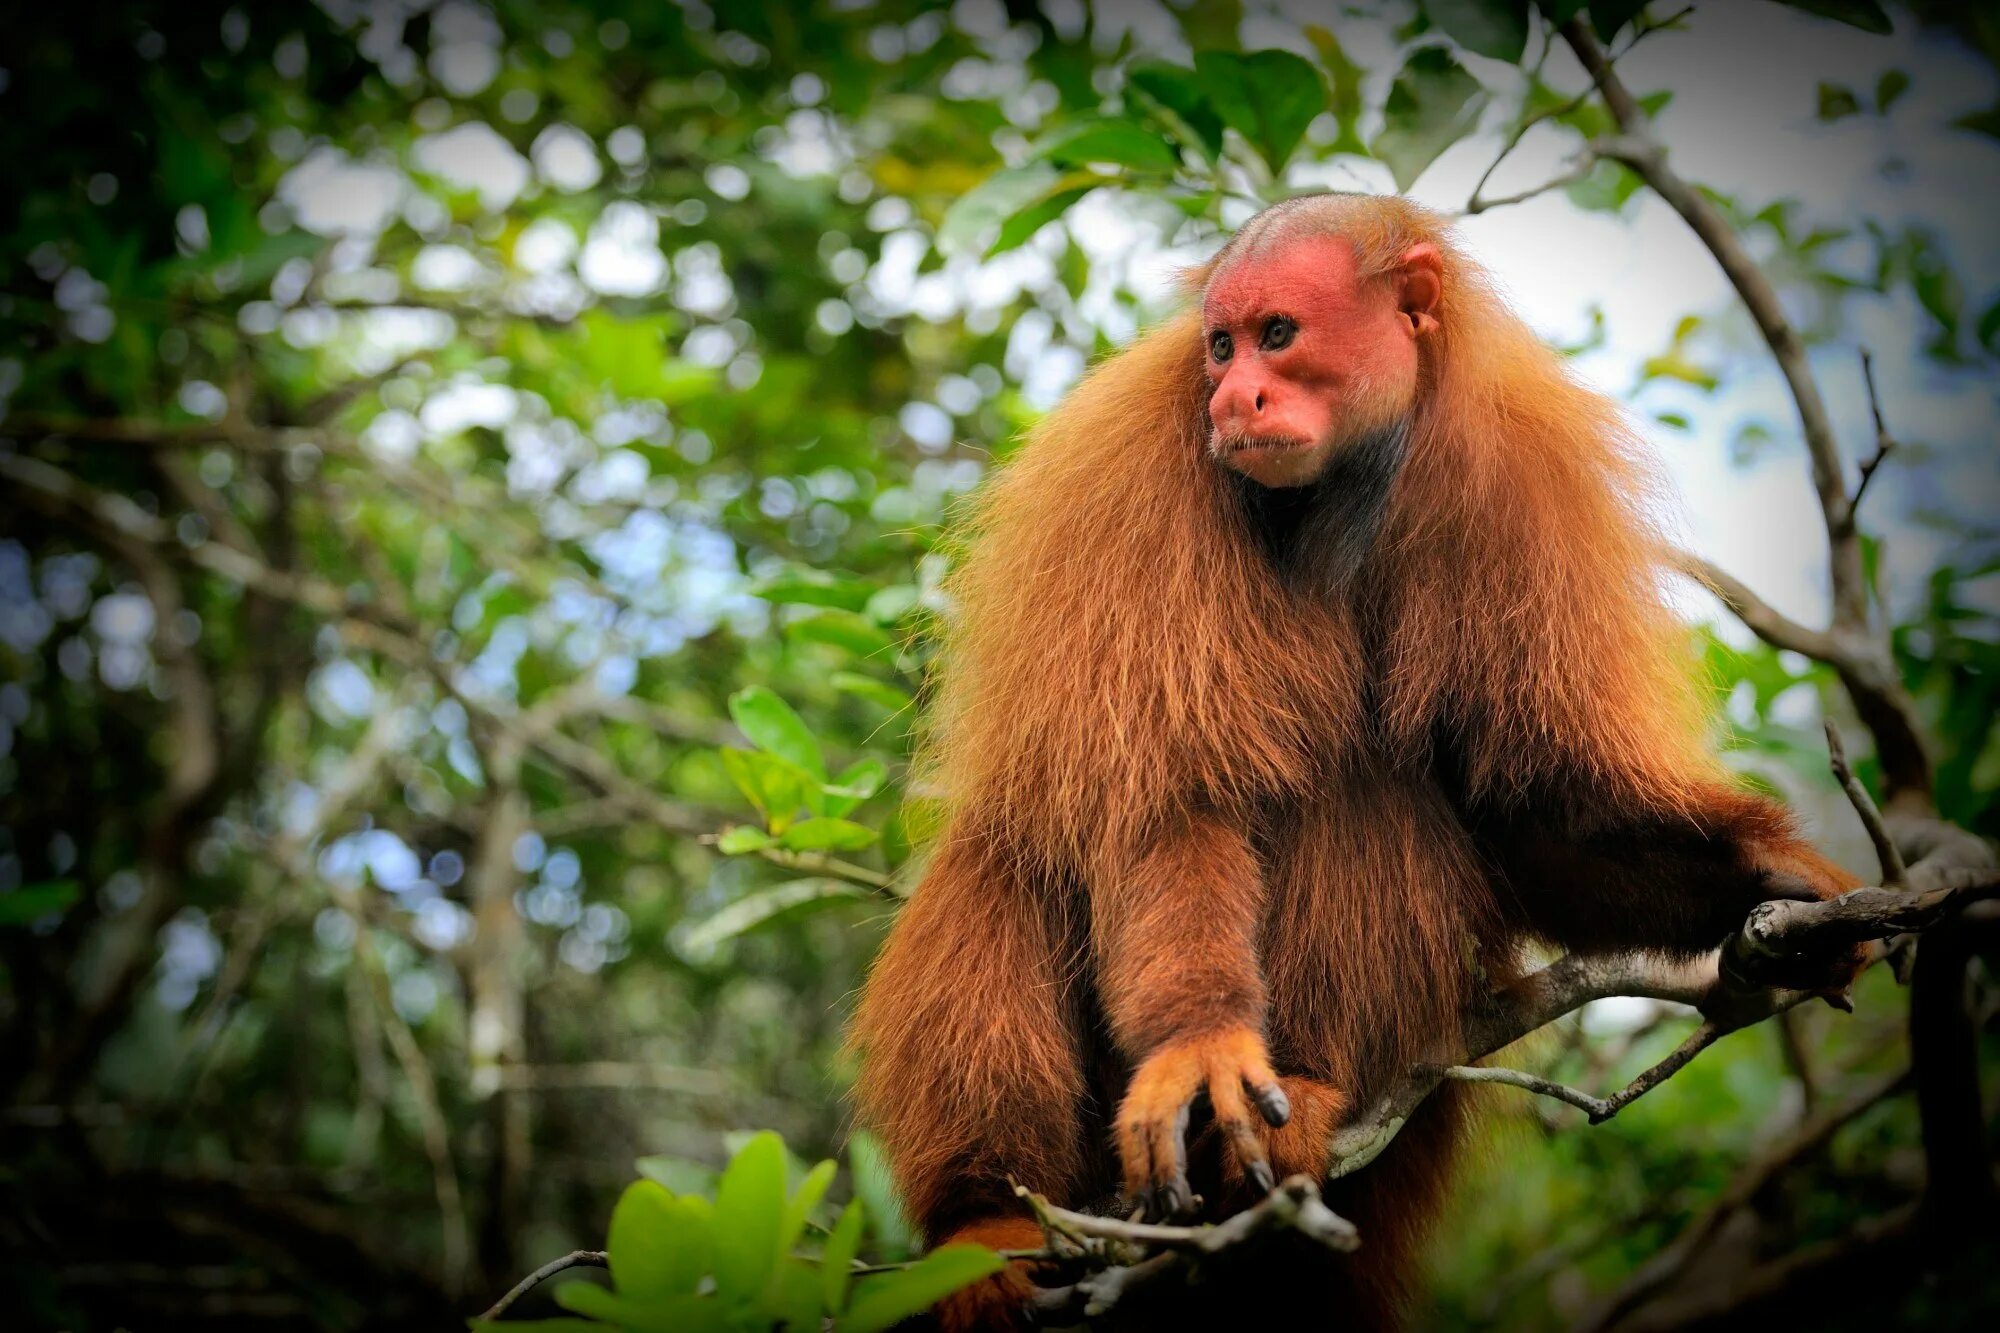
(823, 834)
(1432, 105)
(882, 1300)
(837, 1259)
(1119, 142)
(1269, 97)
(1863, 14)
(772, 725)
(767, 907)
(1175, 91)
(658, 1245)
(875, 1186)
(1494, 28)
(749, 1210)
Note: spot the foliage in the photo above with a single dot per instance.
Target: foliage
(685, 1263)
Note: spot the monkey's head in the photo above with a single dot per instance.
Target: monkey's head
(1309, 352)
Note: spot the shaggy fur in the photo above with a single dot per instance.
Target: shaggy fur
(1308, 766)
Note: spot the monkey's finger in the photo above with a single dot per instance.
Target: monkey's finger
(1232, 1116)
(1272, 1104)
(1168, 1143)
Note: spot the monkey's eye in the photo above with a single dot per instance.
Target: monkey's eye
(1221, 346)
(1278, 331)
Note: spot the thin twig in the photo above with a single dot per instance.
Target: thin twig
(574, 1259)
(1895, 875)
(1884, 442)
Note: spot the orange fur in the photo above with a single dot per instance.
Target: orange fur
(1211, 812)
(998, 1302)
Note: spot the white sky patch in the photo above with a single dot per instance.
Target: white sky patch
(622, 256)
(467, 403)
(444, 268)
(544, 245)
(565, 157)
(474, 157)
(465, 48)
(331, 194)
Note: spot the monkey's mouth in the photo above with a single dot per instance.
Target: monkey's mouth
(1229, 448)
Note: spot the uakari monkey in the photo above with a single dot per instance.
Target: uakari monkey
(1308, 660)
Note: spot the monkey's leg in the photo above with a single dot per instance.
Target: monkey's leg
(971, 1066)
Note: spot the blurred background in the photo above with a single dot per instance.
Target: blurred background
(476, 482)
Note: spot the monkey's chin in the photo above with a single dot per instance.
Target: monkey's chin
(1278, 463)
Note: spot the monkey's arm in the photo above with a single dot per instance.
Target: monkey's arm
(1174, 933)
(1590, 872)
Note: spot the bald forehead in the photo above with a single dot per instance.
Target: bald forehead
(1274, 271)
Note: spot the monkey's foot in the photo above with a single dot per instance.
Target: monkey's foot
(1233, 1070)
(997, 1304)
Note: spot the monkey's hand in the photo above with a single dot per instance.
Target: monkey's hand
(1233, 1070)
(1799, 874)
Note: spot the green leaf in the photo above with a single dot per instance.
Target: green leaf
(1269, 97)
(856, 783)
(876, 1188)
(1889, 89)
(837, 1259)
(749, 1210)
(806, 1198)
(669, 1315)
(843, 629)
(556, 1325)
(741, 838)
(1837, 102)
(1608, 16)
(1343, 88)
(979, 213)
(1863, 14)
(1175, 91)
(1988, 328)
(881, 1300)
(1432, 105)
(792, 1296)
(1985, 122)
(658, 1245)
(822, 834)
(775, 786)
(31, 902)
(814, 587)
(681, 1176)
(766, 907)
(1017, 230)
(772, 726)
(1120, 142)
(1606, 189)
(871, 689)
(1497, 29)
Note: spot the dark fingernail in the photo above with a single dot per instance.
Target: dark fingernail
(1274, 1106)
(1839, 1001)
(1260, 1176)
(1177, 1197)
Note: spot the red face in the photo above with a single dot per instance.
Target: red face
(1307, 358)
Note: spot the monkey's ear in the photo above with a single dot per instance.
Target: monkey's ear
(1419, 285)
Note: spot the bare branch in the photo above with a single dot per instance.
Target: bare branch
(1763, 619)
(574, 1259)
(1895, 875)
